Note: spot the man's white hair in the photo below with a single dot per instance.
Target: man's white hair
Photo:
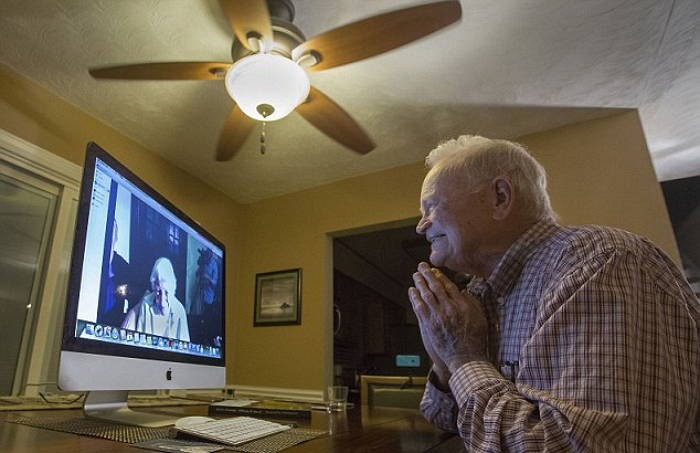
(477, 159)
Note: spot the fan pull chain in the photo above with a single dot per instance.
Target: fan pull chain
(262, 138)
(264, 110)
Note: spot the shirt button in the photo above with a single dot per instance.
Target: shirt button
(501, 300)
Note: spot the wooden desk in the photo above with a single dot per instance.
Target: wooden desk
(359, 430)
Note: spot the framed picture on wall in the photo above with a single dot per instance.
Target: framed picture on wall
(278, 298)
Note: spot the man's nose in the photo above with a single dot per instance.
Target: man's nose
(422, 225)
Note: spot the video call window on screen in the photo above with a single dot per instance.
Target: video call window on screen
(149, 280)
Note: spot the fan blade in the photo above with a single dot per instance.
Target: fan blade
(236, 129)
(377, 34)
(185, 70)
(249, 19)
(332, 120)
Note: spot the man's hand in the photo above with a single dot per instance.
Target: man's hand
(439, 368)
(452, 323)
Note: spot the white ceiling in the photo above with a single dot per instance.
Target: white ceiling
(510, 67)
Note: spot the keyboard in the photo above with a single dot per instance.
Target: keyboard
(233, 431)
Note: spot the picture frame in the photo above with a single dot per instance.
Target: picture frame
(277, 298)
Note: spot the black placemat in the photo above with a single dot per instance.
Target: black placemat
(92, 427)
(134, 434)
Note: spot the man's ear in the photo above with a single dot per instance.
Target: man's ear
(502, 188)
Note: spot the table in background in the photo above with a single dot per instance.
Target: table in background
(361, 429)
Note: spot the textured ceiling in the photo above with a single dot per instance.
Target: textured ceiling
(510, 67)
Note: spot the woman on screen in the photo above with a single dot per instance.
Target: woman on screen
(160, 312)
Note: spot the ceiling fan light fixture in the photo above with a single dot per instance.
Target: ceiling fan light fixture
(267, 87)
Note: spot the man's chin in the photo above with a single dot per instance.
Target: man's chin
(436, 260)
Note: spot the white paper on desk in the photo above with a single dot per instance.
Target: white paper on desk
(234, 403)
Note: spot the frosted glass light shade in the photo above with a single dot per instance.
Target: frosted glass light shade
(267, 79)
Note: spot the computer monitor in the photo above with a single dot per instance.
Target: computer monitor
(145, 304)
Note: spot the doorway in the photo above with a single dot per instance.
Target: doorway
(374, 328)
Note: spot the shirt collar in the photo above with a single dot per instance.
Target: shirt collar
(511, 263)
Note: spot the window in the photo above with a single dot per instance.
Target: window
(38, 201)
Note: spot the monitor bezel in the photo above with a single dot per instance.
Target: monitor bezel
(72, 343)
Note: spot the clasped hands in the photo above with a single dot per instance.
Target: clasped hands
(452, 322)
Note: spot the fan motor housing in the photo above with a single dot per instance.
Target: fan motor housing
(285, 34)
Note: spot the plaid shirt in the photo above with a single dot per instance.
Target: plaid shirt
(595, 340)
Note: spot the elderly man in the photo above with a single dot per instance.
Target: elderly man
(566, 338)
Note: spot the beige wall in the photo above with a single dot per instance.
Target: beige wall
(42, 118)
(290, 232)
(600, 172)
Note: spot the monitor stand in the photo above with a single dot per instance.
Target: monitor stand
(111, 405)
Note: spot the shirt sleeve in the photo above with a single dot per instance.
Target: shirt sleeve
(439, 406)
(612, 365)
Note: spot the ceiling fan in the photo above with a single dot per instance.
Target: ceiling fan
(268, 80)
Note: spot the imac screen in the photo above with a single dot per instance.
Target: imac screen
(146, 280)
